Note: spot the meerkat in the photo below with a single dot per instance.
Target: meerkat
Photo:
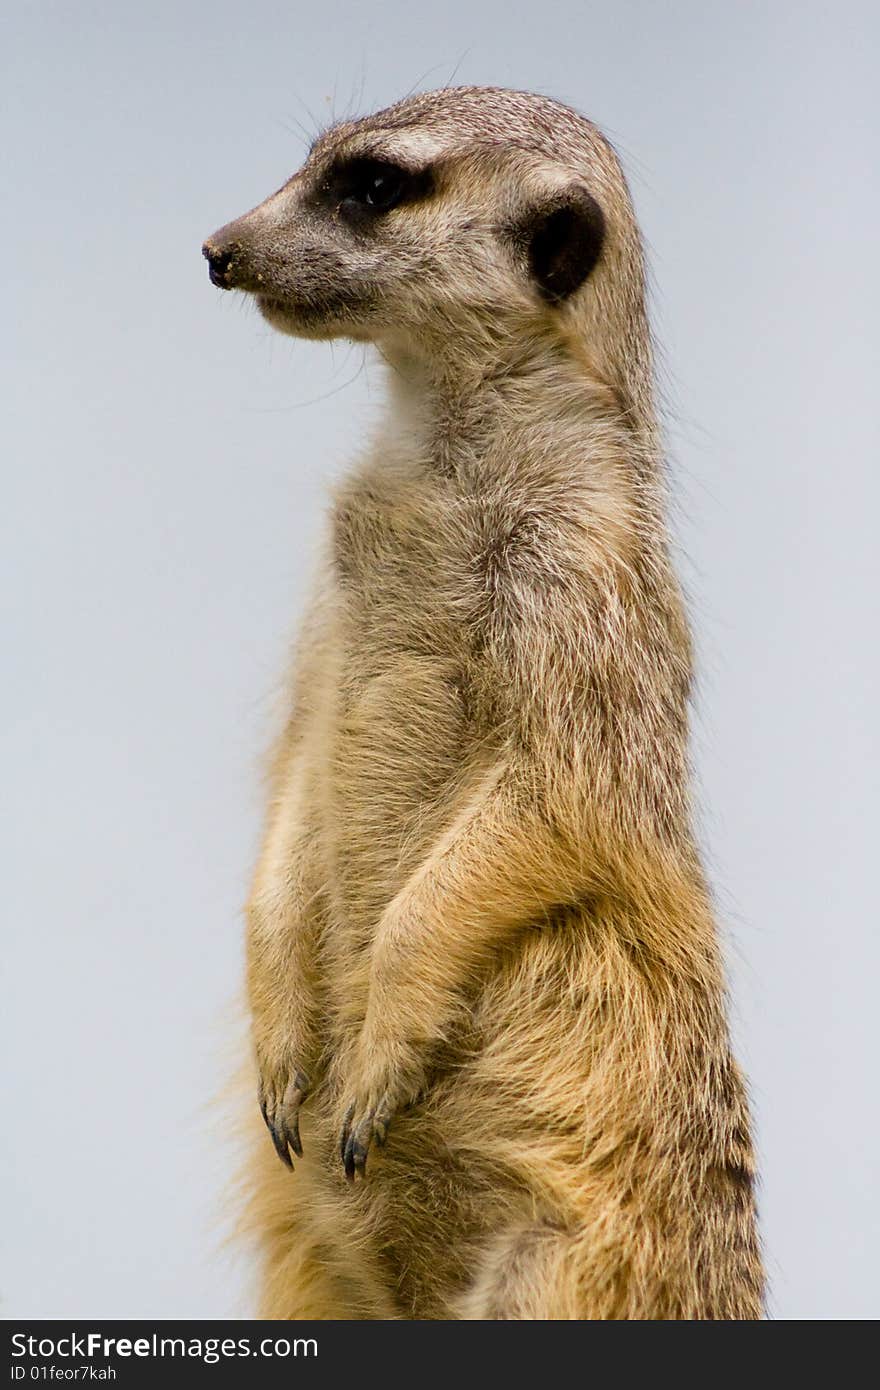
(487, 998)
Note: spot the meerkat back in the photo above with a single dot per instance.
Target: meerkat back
(487, 1000)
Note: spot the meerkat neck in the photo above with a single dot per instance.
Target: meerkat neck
(469, 417)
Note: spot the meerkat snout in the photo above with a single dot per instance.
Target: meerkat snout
(220, 264)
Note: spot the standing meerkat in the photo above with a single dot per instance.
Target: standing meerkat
(483, 970)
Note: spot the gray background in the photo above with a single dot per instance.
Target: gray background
(165, 467)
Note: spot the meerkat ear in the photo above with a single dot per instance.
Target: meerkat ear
(564, 242)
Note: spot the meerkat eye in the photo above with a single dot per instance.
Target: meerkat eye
(384, 187)
(373, 186)
(370, 183)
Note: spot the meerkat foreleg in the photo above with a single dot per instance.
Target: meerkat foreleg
(500, 867)
(282, 971)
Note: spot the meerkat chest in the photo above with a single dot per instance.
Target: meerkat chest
(403, 555)
(405, 718)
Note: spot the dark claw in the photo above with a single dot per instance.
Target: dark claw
(355, 1158)
(280, 1146)
(343, 1138)
(293, 1138)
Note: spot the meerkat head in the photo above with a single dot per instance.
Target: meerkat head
(459, 216)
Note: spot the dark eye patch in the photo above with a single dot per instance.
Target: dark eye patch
(364, 189)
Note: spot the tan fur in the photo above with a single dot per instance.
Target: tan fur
(479, 923)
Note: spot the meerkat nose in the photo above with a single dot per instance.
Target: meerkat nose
(220, 261)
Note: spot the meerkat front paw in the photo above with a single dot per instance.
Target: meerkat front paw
(380, 1089)
(282, 1091)
(364, 1122)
